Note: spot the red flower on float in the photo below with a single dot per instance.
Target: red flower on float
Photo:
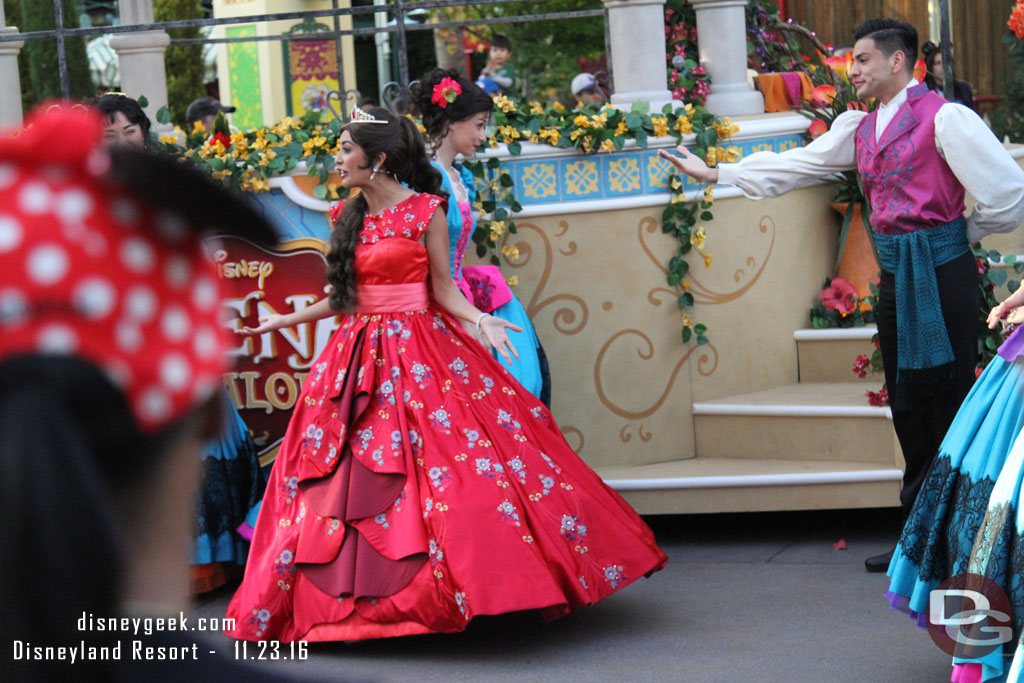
(823, 95)
(1016, 22)
(840, 296)
(817, 128)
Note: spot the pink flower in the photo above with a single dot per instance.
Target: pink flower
(860, 366)
(878, 398)
(982, 265)
(445, 92)
(840, 296)
(817, 127)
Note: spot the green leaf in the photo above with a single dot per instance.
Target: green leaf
(514, 148)
(1010, 259)
(700, 329)
(506, 180)
(320, 192)
(481, 251)
(143, 101)
(641, 138)
(687, 333)
(493, 163)
(701, 340)
(997, 277)
(501, 213)
(633, 122)
(163, 115)
(706, 216)
(641, 108)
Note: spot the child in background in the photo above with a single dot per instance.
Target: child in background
(499, 76)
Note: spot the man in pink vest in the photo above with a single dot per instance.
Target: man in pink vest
(916, 155)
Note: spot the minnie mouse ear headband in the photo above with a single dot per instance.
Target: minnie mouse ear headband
(95, 263)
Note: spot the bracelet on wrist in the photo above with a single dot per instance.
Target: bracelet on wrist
(479, 320)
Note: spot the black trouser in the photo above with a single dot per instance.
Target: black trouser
(921, 415)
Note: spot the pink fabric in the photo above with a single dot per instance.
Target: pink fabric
(466, 209)
(792, 82)
(485, 287)
(411, 296)
(966, 673)
(910, 185)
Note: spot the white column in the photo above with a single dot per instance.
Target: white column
(141, 58)
(722, 39)
(636, 29)
(10, 81)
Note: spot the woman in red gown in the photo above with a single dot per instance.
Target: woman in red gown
(418, 484)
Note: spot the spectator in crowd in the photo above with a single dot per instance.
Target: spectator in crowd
(205, 110)
(499, 76)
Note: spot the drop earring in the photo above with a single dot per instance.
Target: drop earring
(374, 174)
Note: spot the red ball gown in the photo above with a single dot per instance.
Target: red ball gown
(418, 484)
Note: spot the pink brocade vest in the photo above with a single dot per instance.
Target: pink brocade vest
(908, 183)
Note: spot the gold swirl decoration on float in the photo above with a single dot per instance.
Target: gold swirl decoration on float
(708, 354)
(565, 318)
(701, 293)
(626, 435)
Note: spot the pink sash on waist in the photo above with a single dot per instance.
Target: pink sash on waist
(392, 298)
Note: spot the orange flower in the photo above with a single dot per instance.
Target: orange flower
(1016, 22)
(823, 95)
(839, 65)
(920, 70)
(817, 128)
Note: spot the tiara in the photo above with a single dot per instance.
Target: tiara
(360, 116)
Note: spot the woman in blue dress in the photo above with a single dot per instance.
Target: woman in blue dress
(455, 113)
(961, 496)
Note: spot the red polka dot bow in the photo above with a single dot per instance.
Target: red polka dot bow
(86, 269)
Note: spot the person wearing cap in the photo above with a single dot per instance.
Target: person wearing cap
(586, 90)
(205, 110)
(111, 355)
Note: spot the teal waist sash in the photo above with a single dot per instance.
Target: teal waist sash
(922, 340)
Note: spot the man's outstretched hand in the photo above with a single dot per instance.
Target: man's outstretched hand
(690, 164)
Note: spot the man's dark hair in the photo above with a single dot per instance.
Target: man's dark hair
(890, 35)
(501, 42)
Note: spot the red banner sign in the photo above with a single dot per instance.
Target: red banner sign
(270, 368)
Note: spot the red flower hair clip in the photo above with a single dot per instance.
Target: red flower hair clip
(445, 92)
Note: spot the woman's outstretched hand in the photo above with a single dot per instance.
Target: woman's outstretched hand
(496, 329)
(689, 163)
(268, 323)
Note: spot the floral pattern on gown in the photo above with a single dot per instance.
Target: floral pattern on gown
(419, 485)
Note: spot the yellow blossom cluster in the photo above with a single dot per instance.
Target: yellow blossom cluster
(198, 127)
(511, 252)
(726, 128)
(607, 146)
(312, 145)
(698, 237)
(512, 281)
(558, 106)
(721, 154)
(497, 230)
(660, 124)
(621, 128)
(683, 125)
(504, 103)
(686, 321)
(709, 194)
(551, 135)
(707, 260)
(509, 133)
(253, 182)
(536, 108)
(263, 159)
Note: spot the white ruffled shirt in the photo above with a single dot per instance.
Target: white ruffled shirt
(974, 154)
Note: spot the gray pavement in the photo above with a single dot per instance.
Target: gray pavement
(751, 597)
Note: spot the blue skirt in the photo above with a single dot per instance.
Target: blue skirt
(233, 486)
(527, 368)
(940, 532)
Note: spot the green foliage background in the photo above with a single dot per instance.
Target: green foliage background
(183, 63)
(38, 58)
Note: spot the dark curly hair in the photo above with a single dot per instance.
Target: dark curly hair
(406, 161)
(470, 102)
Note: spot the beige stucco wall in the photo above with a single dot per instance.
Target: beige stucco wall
(623, 381)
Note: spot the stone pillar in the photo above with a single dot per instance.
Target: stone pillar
(141, 58)
(636, 30)
(722, 38)
(10, 81)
